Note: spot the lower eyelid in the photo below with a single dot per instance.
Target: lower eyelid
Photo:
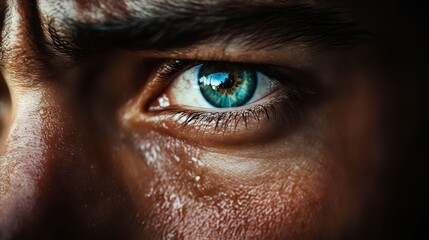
(251, 122)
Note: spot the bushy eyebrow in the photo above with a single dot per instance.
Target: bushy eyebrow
(173, 27)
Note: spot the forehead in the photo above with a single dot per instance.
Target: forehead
(92, 10)
(98, 10)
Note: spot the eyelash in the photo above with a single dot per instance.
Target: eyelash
(227, 121)
(287, 99)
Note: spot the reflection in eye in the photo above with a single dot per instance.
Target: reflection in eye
(219, 85)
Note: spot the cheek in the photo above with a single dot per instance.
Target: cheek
(310, 182)
(177, 194)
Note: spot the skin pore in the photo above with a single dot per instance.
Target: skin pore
(90, 149)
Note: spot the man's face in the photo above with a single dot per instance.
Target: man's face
(197, 120)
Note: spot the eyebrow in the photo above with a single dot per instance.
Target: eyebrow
(173, 27)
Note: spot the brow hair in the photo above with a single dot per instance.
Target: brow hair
(175, 26)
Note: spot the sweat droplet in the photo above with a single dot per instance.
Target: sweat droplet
(42, 111)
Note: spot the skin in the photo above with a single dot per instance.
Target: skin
(81, 157)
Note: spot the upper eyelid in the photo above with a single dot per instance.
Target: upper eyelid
(171, 67)
(298, 75)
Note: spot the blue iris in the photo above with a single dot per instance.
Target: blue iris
(226, 85)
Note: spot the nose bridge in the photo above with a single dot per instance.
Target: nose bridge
(55, 177)
(40, 140)
(35, 130)
(22, 163)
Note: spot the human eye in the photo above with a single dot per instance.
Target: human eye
(225, 98)
(217, 87)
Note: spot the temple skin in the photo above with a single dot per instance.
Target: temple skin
(82, 158)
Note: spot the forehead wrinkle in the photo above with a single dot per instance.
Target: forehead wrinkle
(138, 8)
(93, 11)
(58, 14)
(169, 26)
(98, 11)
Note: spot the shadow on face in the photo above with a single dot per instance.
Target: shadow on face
(210, 120)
